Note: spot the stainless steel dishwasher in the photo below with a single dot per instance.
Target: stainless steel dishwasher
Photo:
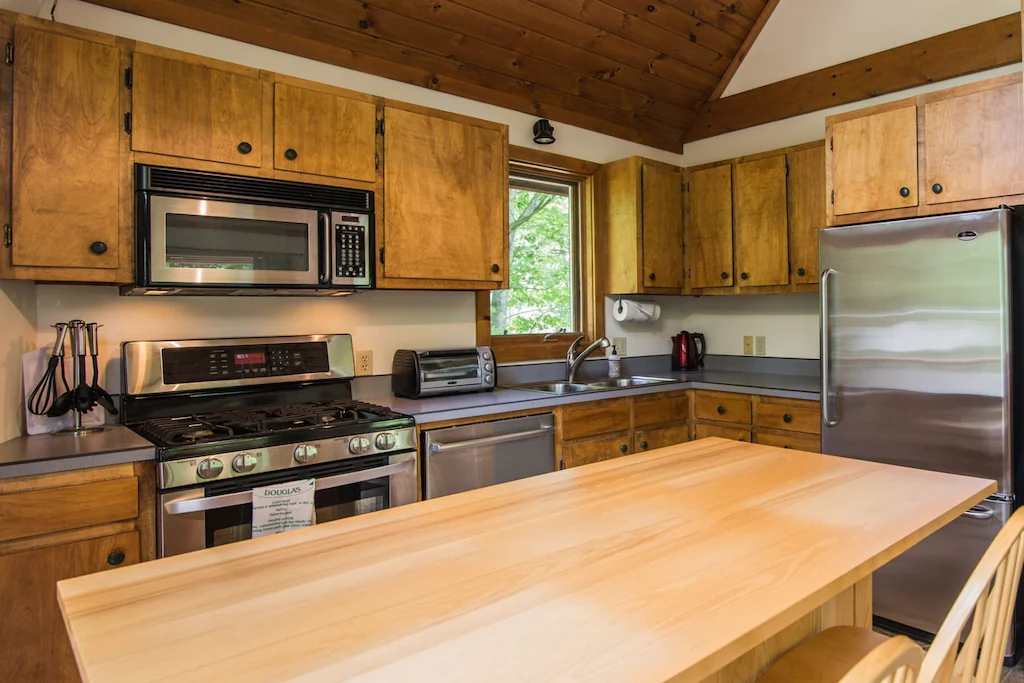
(472, 456)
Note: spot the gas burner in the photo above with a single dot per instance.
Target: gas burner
(197, 434)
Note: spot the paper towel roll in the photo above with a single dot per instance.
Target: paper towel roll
(626, 310)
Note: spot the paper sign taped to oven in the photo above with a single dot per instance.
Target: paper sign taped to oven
(282, 507)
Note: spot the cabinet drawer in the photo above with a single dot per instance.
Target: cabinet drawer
(794, 440)
(650, 439)
(790, 417)
(658, 409)
(594, 418)
(723, 408)
(736, 434)
(44, 511)
(586, 452)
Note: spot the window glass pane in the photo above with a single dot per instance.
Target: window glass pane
(541, 297)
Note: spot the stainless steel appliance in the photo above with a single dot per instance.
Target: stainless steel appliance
(473, 456)
(917, 319)
(227, 415)
(415, 374)
(210, 233)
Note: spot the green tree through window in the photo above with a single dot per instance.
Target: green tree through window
(542, 292)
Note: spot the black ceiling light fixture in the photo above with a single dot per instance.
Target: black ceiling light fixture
(543, 132)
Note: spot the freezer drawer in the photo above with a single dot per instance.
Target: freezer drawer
(474, 456)
(918, 587)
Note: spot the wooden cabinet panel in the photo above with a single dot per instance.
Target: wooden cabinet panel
(445, 198)
(187, 109)
(709, 227)
(736, 434)
(324, 134)
(974, 145)
(43, 511)
(759, 210)
(794, 440)
(874, 161)
(651, 439)
(66, 174)
(790, 416)
(662, 227)
(806, 204)
(586, 452)
(35, 645)
(661, 408)
(582, 420)
(722, 407)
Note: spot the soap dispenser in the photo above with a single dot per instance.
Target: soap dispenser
(614, 364)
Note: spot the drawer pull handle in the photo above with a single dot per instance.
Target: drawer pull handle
(623, 448)
(643, 445)
(290, 154)
(904, 191)
(115, 558)
(787, 418)
(721, 410)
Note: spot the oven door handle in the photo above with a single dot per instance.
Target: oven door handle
(181, 507)
(439, 447)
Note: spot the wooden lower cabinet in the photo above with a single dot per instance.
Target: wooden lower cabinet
(780, 422)
(605, 448)
(650, 439)
(794, 440)
(704, 431)
(583, 420)
(721, 406)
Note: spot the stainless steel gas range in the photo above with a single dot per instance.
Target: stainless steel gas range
(228, 415)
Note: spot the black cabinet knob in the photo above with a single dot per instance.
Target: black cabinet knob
(244, 147)
(721, 410)
(495, 268)
(623, 448)
(904, 191)
(643, 445)
(725, 276)
(115, 558)
(743, 276)
(290, 154)
(787, 418)
(801, 271)
(98, 247)
(937, 188)
(651, 276)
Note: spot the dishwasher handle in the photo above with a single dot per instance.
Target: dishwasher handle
(439, 447)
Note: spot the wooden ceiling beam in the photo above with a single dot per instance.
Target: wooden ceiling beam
(679, 23)
(748, 43)
(968, 50)
(751, 9)
(715, 14)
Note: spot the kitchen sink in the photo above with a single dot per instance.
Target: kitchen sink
(627, 382)
(563, 388)
(559, 388)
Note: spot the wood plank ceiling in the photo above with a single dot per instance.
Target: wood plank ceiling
(640, 70)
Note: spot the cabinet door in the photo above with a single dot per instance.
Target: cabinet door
(34, 645)
(324, 134)
(759, 210)
(65, 169)
(595, 417)
(793, 440)
(186, 109)
(704, 431)
(806, 201)
(650, 439)
(586, 452)
(974, 146)
(709, 227)
(662, 227)
(662, 408)
(874, 161)
(445, 198)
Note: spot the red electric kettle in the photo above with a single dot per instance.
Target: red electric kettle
(688, 351)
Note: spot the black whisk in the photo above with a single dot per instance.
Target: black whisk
(42, 397)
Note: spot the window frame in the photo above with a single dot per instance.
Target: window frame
(515, 348)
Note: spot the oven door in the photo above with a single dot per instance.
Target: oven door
(205, 242)
(221, 512)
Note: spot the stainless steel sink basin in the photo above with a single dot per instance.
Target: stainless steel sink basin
(626, 382)
(563, 388)
(559, 388)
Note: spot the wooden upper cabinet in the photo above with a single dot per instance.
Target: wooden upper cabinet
(662, 191)
(974, 145)
(445, 197)
(66, 174)
(324, 134)
(709, 227)
(183, 107)
(759, 208)
(874, 160)
(806, 209)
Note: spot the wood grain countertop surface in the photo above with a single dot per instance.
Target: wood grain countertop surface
(666, 564)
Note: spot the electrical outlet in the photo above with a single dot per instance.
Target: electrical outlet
(748, 345)
(759, 345)
(620, 345)
(364, 362)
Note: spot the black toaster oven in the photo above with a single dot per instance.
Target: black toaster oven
(416, 374)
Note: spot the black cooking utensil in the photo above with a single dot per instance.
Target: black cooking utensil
(83, 402)
(99, 394)
(43, 396)
(65, 401)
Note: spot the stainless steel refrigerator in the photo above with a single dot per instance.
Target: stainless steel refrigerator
(917, 370)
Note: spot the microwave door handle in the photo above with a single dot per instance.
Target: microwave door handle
(325, 247)
(181, 507)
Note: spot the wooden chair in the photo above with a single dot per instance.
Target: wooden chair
(985, 607)
(897, 660)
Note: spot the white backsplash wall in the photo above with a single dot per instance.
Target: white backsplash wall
(382, 321)
(789, 323)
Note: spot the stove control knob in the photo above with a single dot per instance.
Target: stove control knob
(359, 445)
(305, 453)
(244, 463)
(385, 441)
(210, 468)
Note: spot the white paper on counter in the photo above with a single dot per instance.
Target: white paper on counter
(282, 507)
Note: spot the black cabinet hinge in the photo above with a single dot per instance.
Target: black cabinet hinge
(8, 237)
(128, 123)
(376, 162)
(128, 78)
(380, 127)
(9, 54)
(833, 196)
(787, 168)
(830, 147)
(561, 464)
(382, 255)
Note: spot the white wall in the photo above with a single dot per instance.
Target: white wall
(17, 335)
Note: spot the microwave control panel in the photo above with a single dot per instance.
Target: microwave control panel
(203, 364)
(351, 249)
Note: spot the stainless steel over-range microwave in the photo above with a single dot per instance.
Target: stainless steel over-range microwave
(211, 233)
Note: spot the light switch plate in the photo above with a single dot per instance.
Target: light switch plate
(620, 346)
(759, 344)
(748, 345)
(364, 362)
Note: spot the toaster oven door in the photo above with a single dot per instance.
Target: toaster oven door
(440, 371)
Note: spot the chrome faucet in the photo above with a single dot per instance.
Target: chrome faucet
(573, 361)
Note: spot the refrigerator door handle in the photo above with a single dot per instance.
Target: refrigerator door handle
(980, 512)
(826, 352)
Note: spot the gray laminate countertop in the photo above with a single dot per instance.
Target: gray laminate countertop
(46, 453)
(504, 400)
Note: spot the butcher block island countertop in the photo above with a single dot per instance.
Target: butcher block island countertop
(697, 562)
